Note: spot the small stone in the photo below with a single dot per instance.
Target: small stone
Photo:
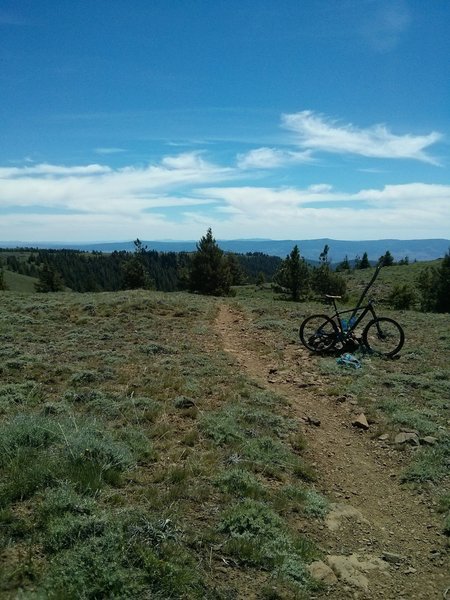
(383, 437)
(410, 571)
(428, 440)
(407, 438)
(361, 422)
(319, 571)
(393, 558)
(313, 421)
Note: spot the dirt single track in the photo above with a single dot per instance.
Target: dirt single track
(373, 515)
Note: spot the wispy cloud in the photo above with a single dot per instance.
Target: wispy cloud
(101, 189)
(269, 158)
(109, 150)
(52, 170)
(412, 210)
(386, 26)
(317, 132)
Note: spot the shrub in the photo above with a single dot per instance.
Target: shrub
(434, 285)
(402, 297)
(257, 536)
(240, 483)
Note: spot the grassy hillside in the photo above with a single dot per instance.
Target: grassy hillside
(388, 278)
(137, 459)
(121, 423)
(19, 283)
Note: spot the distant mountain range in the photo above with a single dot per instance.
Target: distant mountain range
(430, 249)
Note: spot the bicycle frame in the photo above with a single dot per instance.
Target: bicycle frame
(355, 320)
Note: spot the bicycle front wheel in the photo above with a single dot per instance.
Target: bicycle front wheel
(318, 333)
(383, 336)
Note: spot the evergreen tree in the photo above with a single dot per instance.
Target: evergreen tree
(344, 265)
(364, 262)
(443, 292)
(260, 279)
(236, 272)
(49, 280)
(387, 259)
(210, 272)
(323, 256)
(3, 285)
(434, 285)
(293, 274)
(324, 280)
(134, 270)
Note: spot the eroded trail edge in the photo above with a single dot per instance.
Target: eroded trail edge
(381, 539)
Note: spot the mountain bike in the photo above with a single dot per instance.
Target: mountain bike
(324, 333)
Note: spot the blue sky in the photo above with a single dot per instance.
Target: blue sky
(278, 119)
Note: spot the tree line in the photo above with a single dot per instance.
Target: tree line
(149, 269)
(211, 271)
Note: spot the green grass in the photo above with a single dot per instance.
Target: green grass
(123, 425)
(135, 455)
(16, 282)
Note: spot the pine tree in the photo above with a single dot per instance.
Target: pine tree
(344, 265)
(387, 259)
(3, 285)
(209, 273)
(326, 281)
(49, 280)
(364, 262)
(236, 272)
(134, 272)
(293, 274)
(434, 285)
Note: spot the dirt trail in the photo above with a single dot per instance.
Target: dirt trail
(373, 513)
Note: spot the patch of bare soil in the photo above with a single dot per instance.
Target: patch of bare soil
(381, 539)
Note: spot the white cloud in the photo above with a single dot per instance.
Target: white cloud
(316, 132)
(46, 169)
(115, 204)
(412, 210)
(269, 158)
(100, 189)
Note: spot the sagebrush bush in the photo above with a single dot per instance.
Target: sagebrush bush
(402, 297)
(241, 483)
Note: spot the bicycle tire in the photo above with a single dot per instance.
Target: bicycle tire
(391, 340)
(318, 333)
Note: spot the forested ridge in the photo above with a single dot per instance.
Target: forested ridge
(101, 272)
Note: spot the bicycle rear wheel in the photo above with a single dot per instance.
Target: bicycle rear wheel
(383, 336)
(318, 333)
